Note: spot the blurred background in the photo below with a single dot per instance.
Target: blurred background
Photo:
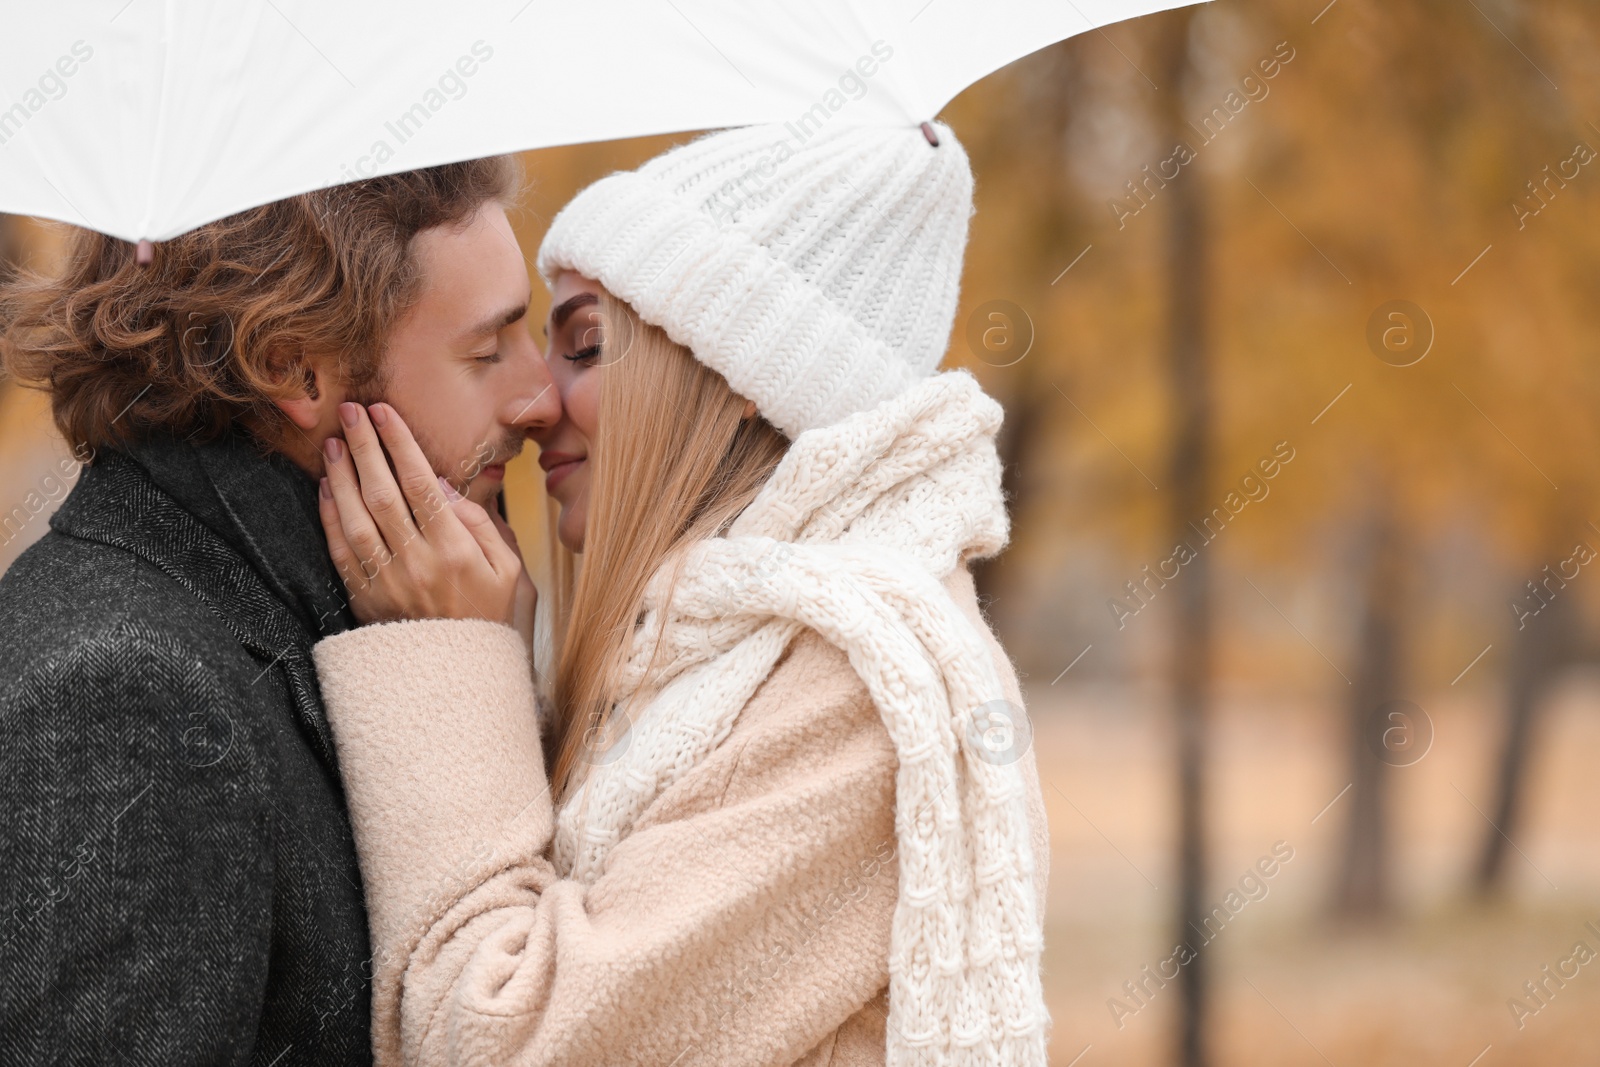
(1291, 307)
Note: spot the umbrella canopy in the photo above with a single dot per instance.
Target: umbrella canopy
(148, 118)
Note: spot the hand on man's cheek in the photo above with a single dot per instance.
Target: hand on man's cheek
(462, 369)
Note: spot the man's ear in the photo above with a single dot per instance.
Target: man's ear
(313, 402)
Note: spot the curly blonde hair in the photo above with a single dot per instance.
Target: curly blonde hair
(225, 319)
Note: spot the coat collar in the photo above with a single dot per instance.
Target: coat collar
(265, 509)
(238, 530)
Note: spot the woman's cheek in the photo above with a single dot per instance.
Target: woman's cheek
(572, 524)
(583, 403)
(580, 493)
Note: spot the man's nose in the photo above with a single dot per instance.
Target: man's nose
(536, 404)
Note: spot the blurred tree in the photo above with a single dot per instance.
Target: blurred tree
(1189, 382)
(1545, 639)
(1417, 152)
(1362, 889)
(1005, 334)
(1018, 434)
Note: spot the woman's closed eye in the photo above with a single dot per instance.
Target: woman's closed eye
(585, 355)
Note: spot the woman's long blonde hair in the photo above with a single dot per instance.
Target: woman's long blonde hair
(675, 461)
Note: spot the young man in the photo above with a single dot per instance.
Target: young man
(178, 883)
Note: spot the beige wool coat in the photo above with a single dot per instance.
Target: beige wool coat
(745, 920)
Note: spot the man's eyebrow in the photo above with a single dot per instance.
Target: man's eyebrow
(563, 311)
(498, 321)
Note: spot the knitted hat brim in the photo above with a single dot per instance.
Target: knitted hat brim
(776, 339)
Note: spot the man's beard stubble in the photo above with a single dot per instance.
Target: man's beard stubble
(462, 471)
(459, 472)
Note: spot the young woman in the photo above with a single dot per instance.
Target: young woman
(791, 815)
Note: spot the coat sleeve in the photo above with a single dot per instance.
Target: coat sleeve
(743, 921)
(137, 883)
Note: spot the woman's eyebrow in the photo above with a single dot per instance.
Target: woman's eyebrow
(563, 311)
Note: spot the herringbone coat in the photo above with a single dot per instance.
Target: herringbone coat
(178, 883)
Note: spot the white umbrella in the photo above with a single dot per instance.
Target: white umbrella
(146, 118)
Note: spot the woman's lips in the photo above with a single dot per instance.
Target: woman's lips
(557, 473)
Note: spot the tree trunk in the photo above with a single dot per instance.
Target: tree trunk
(1363, 886)
(1188, 357)
(1538, 650)
(1016, 440)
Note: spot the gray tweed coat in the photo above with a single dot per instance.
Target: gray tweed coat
(178, 882)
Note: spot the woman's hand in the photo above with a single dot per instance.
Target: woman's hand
(413, 549)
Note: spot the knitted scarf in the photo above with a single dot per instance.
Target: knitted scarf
(851, 537)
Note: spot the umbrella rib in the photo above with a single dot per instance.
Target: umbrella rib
(67, 199)
(312, 43)
(710, 42)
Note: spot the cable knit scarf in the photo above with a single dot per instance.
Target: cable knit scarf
(851, 537)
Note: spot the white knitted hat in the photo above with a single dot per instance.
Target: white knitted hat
(819, 276)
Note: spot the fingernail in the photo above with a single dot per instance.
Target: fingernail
(349, 414)
(379, 413)
(325, 490)
(333, 448)
(448, 490)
